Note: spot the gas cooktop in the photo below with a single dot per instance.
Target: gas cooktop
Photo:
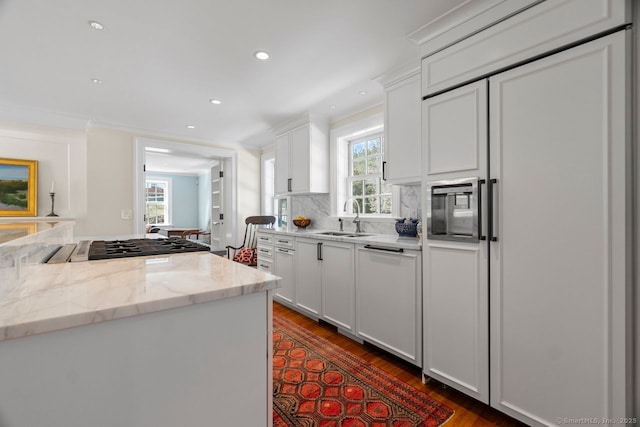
(108, 249)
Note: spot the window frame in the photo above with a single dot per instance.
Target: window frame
(167, 202)
(377, 176)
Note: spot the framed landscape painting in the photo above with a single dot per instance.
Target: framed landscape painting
(18, 187)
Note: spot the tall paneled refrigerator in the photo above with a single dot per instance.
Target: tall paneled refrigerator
(531, 313)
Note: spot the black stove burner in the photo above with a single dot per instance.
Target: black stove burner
(107, 249)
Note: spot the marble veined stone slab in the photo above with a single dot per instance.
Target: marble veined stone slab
(59, 296)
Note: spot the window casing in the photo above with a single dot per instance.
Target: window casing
(364, 181)
(157, 202)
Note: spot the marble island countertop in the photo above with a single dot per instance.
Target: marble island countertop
(60, 296)
(389, 240)
(16, 231)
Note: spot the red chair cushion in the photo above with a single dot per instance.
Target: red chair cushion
(247, 256)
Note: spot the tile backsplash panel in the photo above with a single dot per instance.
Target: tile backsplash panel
(318, 206)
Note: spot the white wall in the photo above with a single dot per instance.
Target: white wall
(61, 156)
(184, 197)
(94, 179)
(204, 201)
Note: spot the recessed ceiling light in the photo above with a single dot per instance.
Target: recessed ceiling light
(96, 25)
(332, 107)
(191, 127)
(157, 150)
(363, 92)
(215, 101)
(96, 81)
(261, 54)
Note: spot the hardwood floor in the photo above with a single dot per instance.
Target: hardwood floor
(468, 411)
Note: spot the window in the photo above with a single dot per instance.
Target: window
(156, 197)
(364, 181)
(268, 183)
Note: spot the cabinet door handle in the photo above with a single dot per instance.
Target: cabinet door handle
(481, 182)
(319, 254)
(382, 248)
(492, 211)
(289, 184)
(384, 164)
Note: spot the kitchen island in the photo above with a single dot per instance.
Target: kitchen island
(147, 341)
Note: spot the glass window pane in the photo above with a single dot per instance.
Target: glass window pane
(371, 205)
(358, 150)
(359, 168)
(370, 186)
(385, 204)
(374, 146)
(385, 187)
(374, 164)
(356, 188)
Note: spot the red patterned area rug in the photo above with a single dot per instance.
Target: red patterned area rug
(316, 383)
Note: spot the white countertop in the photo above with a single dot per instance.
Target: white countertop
(20, 231)
(387, 240)
(59, 296)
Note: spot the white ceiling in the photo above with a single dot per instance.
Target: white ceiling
(161, 61)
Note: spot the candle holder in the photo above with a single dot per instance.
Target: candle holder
(53, 198)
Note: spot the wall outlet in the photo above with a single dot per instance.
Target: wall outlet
(125, 214)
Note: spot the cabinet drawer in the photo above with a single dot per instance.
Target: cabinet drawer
(285, 251)
(265, 252)
(265, 265)
(283, 242)
(265, 239)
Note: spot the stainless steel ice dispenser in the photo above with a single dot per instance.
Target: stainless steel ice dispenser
(452, 210)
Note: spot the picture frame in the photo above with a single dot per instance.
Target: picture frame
(18, 187)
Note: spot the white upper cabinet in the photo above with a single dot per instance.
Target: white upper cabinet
(537, 30)
(402, 146)
(455, 132)
(302, 160)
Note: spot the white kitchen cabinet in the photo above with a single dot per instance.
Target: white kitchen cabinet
(455, 132)
(456, 316)
(285, 267)
(265, 252)
(547, 293)
(560, 266)
(308, 276)
(520, 38)
(338, 284)
(455, 295)
(402, 146)
(302, 160)
(389, 300)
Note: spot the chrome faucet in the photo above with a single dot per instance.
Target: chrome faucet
(356, 220)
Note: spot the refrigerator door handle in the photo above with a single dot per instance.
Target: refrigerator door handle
(480, 235)
(492, 211)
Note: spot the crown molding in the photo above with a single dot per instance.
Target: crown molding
(467, 19)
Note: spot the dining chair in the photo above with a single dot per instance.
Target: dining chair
(246, 253)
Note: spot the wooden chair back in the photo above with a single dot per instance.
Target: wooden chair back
(253, 224)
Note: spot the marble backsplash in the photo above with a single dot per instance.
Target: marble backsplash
(317, 207)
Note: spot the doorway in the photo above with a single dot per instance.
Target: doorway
(216, 204)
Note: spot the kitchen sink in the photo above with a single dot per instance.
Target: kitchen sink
(342, 234)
